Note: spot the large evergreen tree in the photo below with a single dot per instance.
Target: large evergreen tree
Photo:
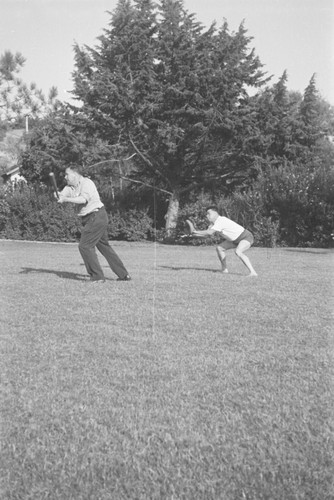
(315, 122)
(288, 126)
(161, 86)
(17, 99)
(59, 140)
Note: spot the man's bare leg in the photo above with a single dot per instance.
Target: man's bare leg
(222, 257)
(242, 247)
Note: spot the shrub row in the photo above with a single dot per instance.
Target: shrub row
(286, 206)
(246, 209)
(32, 214)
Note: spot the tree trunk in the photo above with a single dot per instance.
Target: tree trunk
(172, 213)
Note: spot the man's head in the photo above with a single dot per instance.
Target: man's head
(212, 213)
(72, 176)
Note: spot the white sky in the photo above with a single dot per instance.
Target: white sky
(296, 35)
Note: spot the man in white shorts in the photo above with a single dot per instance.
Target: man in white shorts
(235, 236)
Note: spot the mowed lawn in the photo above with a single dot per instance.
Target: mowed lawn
(181, 384)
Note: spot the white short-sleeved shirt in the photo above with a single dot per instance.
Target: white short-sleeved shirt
(228, 228)
(87, 189)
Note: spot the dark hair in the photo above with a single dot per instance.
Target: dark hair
(76, 168)
(212, 207)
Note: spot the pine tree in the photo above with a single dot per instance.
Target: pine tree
(163, 87)
(313, 126)
(17, 99)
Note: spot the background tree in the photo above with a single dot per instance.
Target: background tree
(288, 126)
(316, 119)
(173, 97)
(292, 138)
(60, 140)
(17, 99)
(164, 88)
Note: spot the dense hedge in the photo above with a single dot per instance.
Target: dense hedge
(32, 214)
(245, 209)
(286, 206)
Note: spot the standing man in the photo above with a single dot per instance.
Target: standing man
(82, 192)
(235, 236)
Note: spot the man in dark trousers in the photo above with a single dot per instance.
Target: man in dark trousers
(82, 192)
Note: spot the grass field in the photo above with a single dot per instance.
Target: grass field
(181, 384)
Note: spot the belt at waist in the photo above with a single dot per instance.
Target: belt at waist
(92, 212)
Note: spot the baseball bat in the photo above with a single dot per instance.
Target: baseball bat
(54, 183)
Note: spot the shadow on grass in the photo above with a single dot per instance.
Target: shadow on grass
(176, 268)
(60, 274)
(309, 250)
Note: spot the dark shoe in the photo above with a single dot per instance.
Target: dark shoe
(126, 278)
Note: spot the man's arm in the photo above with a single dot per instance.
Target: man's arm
(203, 234)
(65, 196)
(78, 200)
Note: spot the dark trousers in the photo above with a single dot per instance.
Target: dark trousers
(94, 234)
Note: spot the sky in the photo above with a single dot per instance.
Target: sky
(292, 35)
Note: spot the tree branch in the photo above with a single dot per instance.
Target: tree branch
(128, 178)
(147, 161)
